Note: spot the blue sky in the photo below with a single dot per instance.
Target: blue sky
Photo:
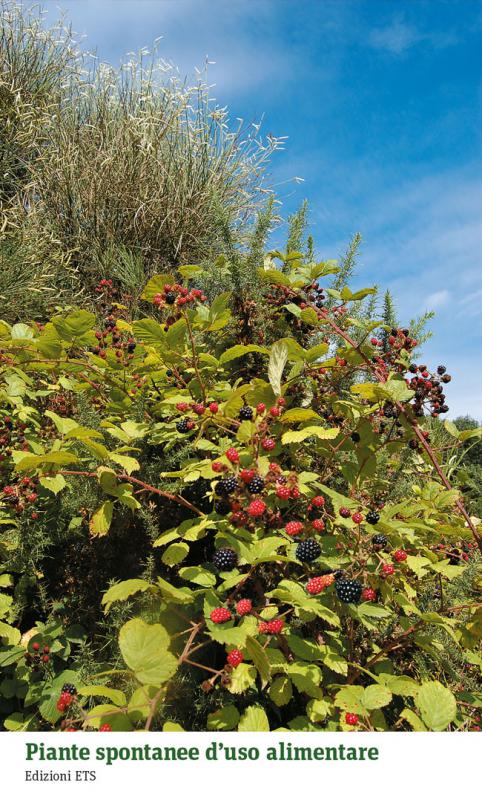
(381, 101)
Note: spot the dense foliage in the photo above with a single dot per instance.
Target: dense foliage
(232, 513)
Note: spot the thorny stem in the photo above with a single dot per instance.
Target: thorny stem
(175, 498)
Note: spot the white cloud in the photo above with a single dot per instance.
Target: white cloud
(399, 36)
(396, 37)
(438, 299)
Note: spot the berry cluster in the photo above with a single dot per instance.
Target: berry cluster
(22, 496)
(177, 295)
(428, 389)
(37, 655)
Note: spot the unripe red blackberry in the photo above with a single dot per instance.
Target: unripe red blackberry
(268, 444)
(344, 512)
(369, 594)
(388, 569)
(293, 528)
(283, 492)
(216, 466)
(318, 501)
(256, 508)
(243, 607)
(232, 455)
(400, 555)
(235, 657)
(247, 475)
(105, 728)
(318, 525)
(214, 408)
(357, 517)
(275, 626)
(351, 719)
(220, 615)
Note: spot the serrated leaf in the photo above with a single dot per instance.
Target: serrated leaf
(117, 697)
(254, 719)
(277, 362)
(259, 659)
(437, 705)
(100, 521)
(175, 553)
(294, 437)
(124, 590)
(281, 691)
(144, 649)
(224, 719)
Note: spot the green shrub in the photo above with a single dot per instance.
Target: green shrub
(159, 470)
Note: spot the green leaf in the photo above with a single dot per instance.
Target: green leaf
(350, 698)
(150, 332)
(376, 696)
(140, 704)
(9, 634)
(240, 350)
(281, 691)
(317, 710)
(100, 521)
(190, 270)
(175, 553)
(259, 658)
(198, 575)
(74, 325)
(107, 713)
(277, 362)
(127, 463)
(54, 485)
(414, 721)
(124, 590)
(254, 719)
(294, 437)
(299, 415)
(437, 705)
(117, 697)
(144, 650)
(242, 678)
(224, 719)
(307, 678)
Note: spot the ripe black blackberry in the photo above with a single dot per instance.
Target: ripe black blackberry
(225, 559)
(222, 507)
(246, 413)
(256, 485)
(226, 485)
(131, 347)
(183, 425)
(348, 591)
(372, 517)
(379, 540)
(339, 574)
(69, 688)
(170, 298)
(308, 550)
(441, 369)
(355, 436)
(413, 444)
